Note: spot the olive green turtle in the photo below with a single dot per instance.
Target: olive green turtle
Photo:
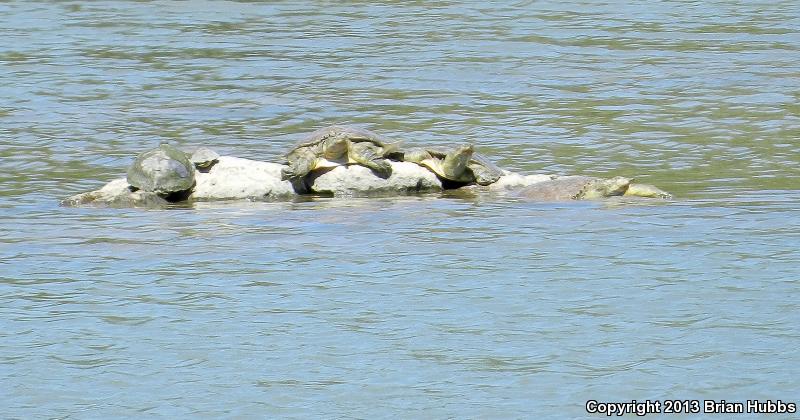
(459, 164)
(204, 158)
(338, 145)
(576, 188)
(164, 170)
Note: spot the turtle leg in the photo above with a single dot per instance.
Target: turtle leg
(423, 157)
(369, 155)
(299, 165)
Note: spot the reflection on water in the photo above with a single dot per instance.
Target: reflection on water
(444, 305)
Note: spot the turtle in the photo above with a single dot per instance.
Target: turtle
(459, 164)
(576, 188)
(164, 170)
(337, 145)
(204, 158)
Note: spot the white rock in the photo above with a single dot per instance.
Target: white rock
(114, 188)
(237, 178)
(358, 180)
(234, 178)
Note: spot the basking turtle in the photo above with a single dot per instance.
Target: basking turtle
(204, 158)
(576, 188)
(458, 164)
(338, 145)
(164, 170)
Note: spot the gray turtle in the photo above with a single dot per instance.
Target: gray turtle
(576, 188)
(459, 164)
(204, 158)
(338, 145)
(164, 170)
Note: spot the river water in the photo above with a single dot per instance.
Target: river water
(432, 306)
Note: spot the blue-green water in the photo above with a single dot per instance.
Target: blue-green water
(437, 306)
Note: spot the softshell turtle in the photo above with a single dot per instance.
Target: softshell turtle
(338, 145)
(459, 164)
(204, 158)
(576, 188)
(164, 170)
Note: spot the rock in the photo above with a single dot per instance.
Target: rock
(116, 193)
(229, 179)
(350, 180)
(236, 178)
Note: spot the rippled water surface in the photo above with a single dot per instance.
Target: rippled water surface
(445, 305)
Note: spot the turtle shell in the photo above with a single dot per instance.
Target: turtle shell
(576, 187)
(354, 134)
(163, 170)
(560, 189)
(204, 158)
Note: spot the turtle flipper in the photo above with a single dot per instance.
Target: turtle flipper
(299, 164)
(371, 156)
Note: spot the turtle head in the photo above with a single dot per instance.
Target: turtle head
(335, 146)
(601, 188)
(466, 148)
(456, 161)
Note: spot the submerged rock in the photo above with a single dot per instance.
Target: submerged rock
(116, 193)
